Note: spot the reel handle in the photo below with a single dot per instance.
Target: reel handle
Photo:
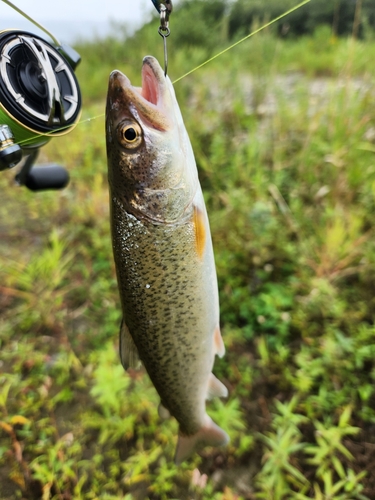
(50, 176)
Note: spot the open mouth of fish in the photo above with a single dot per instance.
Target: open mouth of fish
(150, 82)
(149, 101)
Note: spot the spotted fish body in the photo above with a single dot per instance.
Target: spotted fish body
(163, 253)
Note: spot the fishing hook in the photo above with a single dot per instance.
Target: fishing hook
(164, 7)
(164, 32)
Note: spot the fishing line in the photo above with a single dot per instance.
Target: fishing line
(53, 133)
(293, 9)
(242, 40)
(17, 9)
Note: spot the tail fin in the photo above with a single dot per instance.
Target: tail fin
(209, 434)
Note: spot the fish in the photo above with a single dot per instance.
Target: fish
(163, 254)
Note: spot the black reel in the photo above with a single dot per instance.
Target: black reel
(39, 99)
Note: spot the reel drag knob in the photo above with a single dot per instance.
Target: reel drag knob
(10, 153)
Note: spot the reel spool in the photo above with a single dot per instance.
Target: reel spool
(39, 94)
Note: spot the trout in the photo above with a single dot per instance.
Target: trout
(163, 254)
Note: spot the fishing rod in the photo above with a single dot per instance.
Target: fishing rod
(40, 99)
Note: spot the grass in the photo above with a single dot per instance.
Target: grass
(283, 133)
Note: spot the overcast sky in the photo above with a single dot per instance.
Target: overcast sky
(70, 19)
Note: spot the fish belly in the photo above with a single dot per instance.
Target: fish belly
(168, 290)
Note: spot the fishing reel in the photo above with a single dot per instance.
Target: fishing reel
(39, 99)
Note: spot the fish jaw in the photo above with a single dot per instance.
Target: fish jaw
(149, 104)
(156, 177)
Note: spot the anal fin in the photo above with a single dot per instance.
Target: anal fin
(216, 388)
(128, 352)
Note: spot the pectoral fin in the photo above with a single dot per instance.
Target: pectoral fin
(128, 351)
(200, 231)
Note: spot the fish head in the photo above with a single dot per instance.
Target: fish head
(151, 166)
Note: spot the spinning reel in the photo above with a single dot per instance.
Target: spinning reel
(39, 99)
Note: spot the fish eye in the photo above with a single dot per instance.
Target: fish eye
(129, 134)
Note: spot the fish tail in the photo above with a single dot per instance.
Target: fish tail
(209, 434)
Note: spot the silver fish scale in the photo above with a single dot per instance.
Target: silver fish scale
(164, 292)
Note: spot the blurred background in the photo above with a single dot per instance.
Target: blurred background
(283, 129)
(71, 21)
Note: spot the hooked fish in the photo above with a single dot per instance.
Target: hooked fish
(163, 254)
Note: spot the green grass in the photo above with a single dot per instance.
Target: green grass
(283, 133)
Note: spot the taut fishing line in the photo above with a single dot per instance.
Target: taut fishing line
(243, 39)
(17, 9)
(41, 98)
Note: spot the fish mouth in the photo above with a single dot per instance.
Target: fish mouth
(147, 103)
(153, 80)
